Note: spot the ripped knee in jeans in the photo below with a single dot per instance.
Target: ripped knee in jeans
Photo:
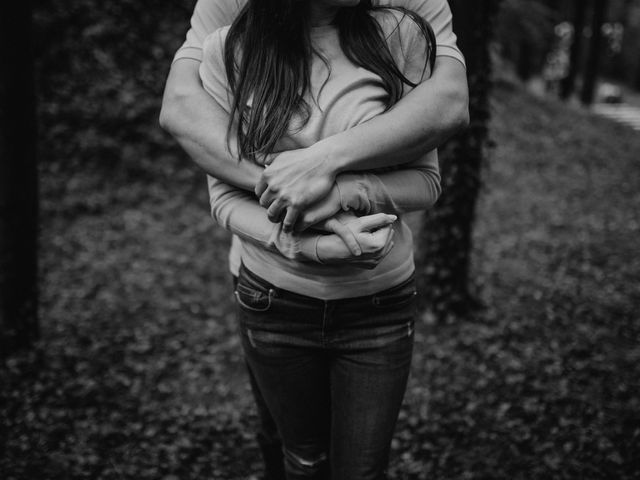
(308, 464)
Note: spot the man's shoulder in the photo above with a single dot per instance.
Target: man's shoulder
(422, 7)
(436, 12)
(396, 23)
(214, 42)
(219, 12)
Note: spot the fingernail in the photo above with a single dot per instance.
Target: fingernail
(393, 218)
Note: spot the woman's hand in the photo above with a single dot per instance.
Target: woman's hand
(292, 181)
(374, 234)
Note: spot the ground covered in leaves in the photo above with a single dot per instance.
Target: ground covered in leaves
(139, 372)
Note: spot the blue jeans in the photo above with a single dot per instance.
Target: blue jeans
(332, 373)
(267, 435)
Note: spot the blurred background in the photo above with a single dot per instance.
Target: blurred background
(120, 353)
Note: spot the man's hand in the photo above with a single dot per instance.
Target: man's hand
(292, 181)
(323, 209)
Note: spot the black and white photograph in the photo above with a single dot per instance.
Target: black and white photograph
(320, 240)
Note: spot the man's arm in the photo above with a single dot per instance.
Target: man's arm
(199, 124)
(427, 116)
(421, 121)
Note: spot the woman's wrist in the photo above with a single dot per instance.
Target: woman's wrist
(331, 248)
(353, 192)
(309, 248)
(317, 247)
(323, 248)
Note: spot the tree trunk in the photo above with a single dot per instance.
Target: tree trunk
(445, 239)
(524, 65)
(568, 84)
(595, 49)
(18, 180)
(618, 63)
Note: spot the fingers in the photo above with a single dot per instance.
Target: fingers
(381, 243)
(269, 159)
(304, 222)
(267, 198)
(313, 217)
(349, 239)
(261, 186)
(290, 219)
(380, 238)
(377, 242)
(275, 211)
(319, 211)
(373, 222)
(346, 234)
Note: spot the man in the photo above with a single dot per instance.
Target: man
(296, 179)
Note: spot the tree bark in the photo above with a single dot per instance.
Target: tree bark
(524, 65)
(18, 180)
(567, 87)
(595, 50)
(446, 237)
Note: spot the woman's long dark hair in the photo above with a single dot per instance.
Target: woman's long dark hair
(267, 59)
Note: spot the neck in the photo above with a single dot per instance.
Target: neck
(322, 14)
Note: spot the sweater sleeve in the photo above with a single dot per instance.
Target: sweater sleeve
(415, 186)
(239, 212)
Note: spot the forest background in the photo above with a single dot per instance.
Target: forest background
(134, 368)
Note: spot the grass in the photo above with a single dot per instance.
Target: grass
(139, 372)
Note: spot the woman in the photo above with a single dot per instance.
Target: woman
(329, 342)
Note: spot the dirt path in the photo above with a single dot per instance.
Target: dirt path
(622, 113)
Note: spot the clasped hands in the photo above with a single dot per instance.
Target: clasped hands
(300, 190)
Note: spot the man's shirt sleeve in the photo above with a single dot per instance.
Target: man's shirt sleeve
(208, 16)
(438, 14)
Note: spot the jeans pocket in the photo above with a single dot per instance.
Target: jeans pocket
(398, 296)
(252, 299)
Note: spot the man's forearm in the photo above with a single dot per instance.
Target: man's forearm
(199, 125)
(422, 120)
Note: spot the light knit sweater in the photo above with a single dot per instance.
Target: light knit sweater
(341, 96)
